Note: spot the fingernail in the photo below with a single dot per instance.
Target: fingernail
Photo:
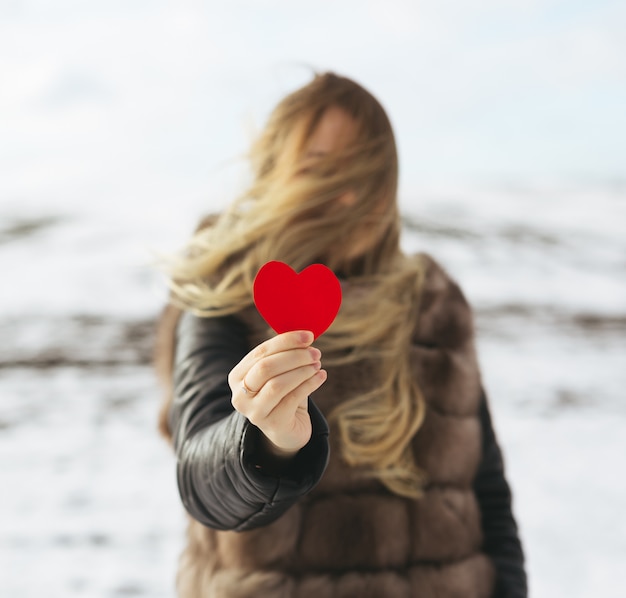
(315, 353)
(306, 336)
(317, 365)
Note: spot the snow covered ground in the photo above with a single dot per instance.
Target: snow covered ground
(121, 123)
(89, 502)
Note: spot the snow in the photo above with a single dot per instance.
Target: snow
(90, 499)
(88, 486)
(122, 126)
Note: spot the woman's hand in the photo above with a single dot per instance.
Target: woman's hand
(271, 386)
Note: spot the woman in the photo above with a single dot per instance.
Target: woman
(375, 475)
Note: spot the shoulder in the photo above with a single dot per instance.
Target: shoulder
(207, 345)
(445, 317)
(194, 332)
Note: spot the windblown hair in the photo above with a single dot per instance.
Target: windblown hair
(291, 213)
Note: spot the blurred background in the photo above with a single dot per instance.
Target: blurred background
(121, 122)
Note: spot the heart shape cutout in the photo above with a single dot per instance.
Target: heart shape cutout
(291, 301)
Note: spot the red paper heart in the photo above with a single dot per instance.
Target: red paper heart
(290, 301)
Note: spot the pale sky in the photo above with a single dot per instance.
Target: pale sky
(162, 95)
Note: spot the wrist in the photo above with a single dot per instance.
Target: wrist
(275, 451)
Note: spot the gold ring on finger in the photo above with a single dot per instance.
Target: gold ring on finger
(247, 390)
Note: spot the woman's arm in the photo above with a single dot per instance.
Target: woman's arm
(501, 538)
(226, 478)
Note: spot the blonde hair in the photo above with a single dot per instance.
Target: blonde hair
(290, 213)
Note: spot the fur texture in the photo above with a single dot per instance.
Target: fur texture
(350, 536)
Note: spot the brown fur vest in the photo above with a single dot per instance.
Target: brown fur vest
(350, 537)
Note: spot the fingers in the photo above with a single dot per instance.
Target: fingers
(297, 398)
(257, 407)
(299, 339)
(271, 358)
(279, 374)
(279, 387)
(274, 366)
(287, 425)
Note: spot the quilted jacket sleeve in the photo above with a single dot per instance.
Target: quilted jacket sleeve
(501, 537)
(225, 480)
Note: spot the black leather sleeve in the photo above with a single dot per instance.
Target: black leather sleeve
(501, 537)
(225, 480)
